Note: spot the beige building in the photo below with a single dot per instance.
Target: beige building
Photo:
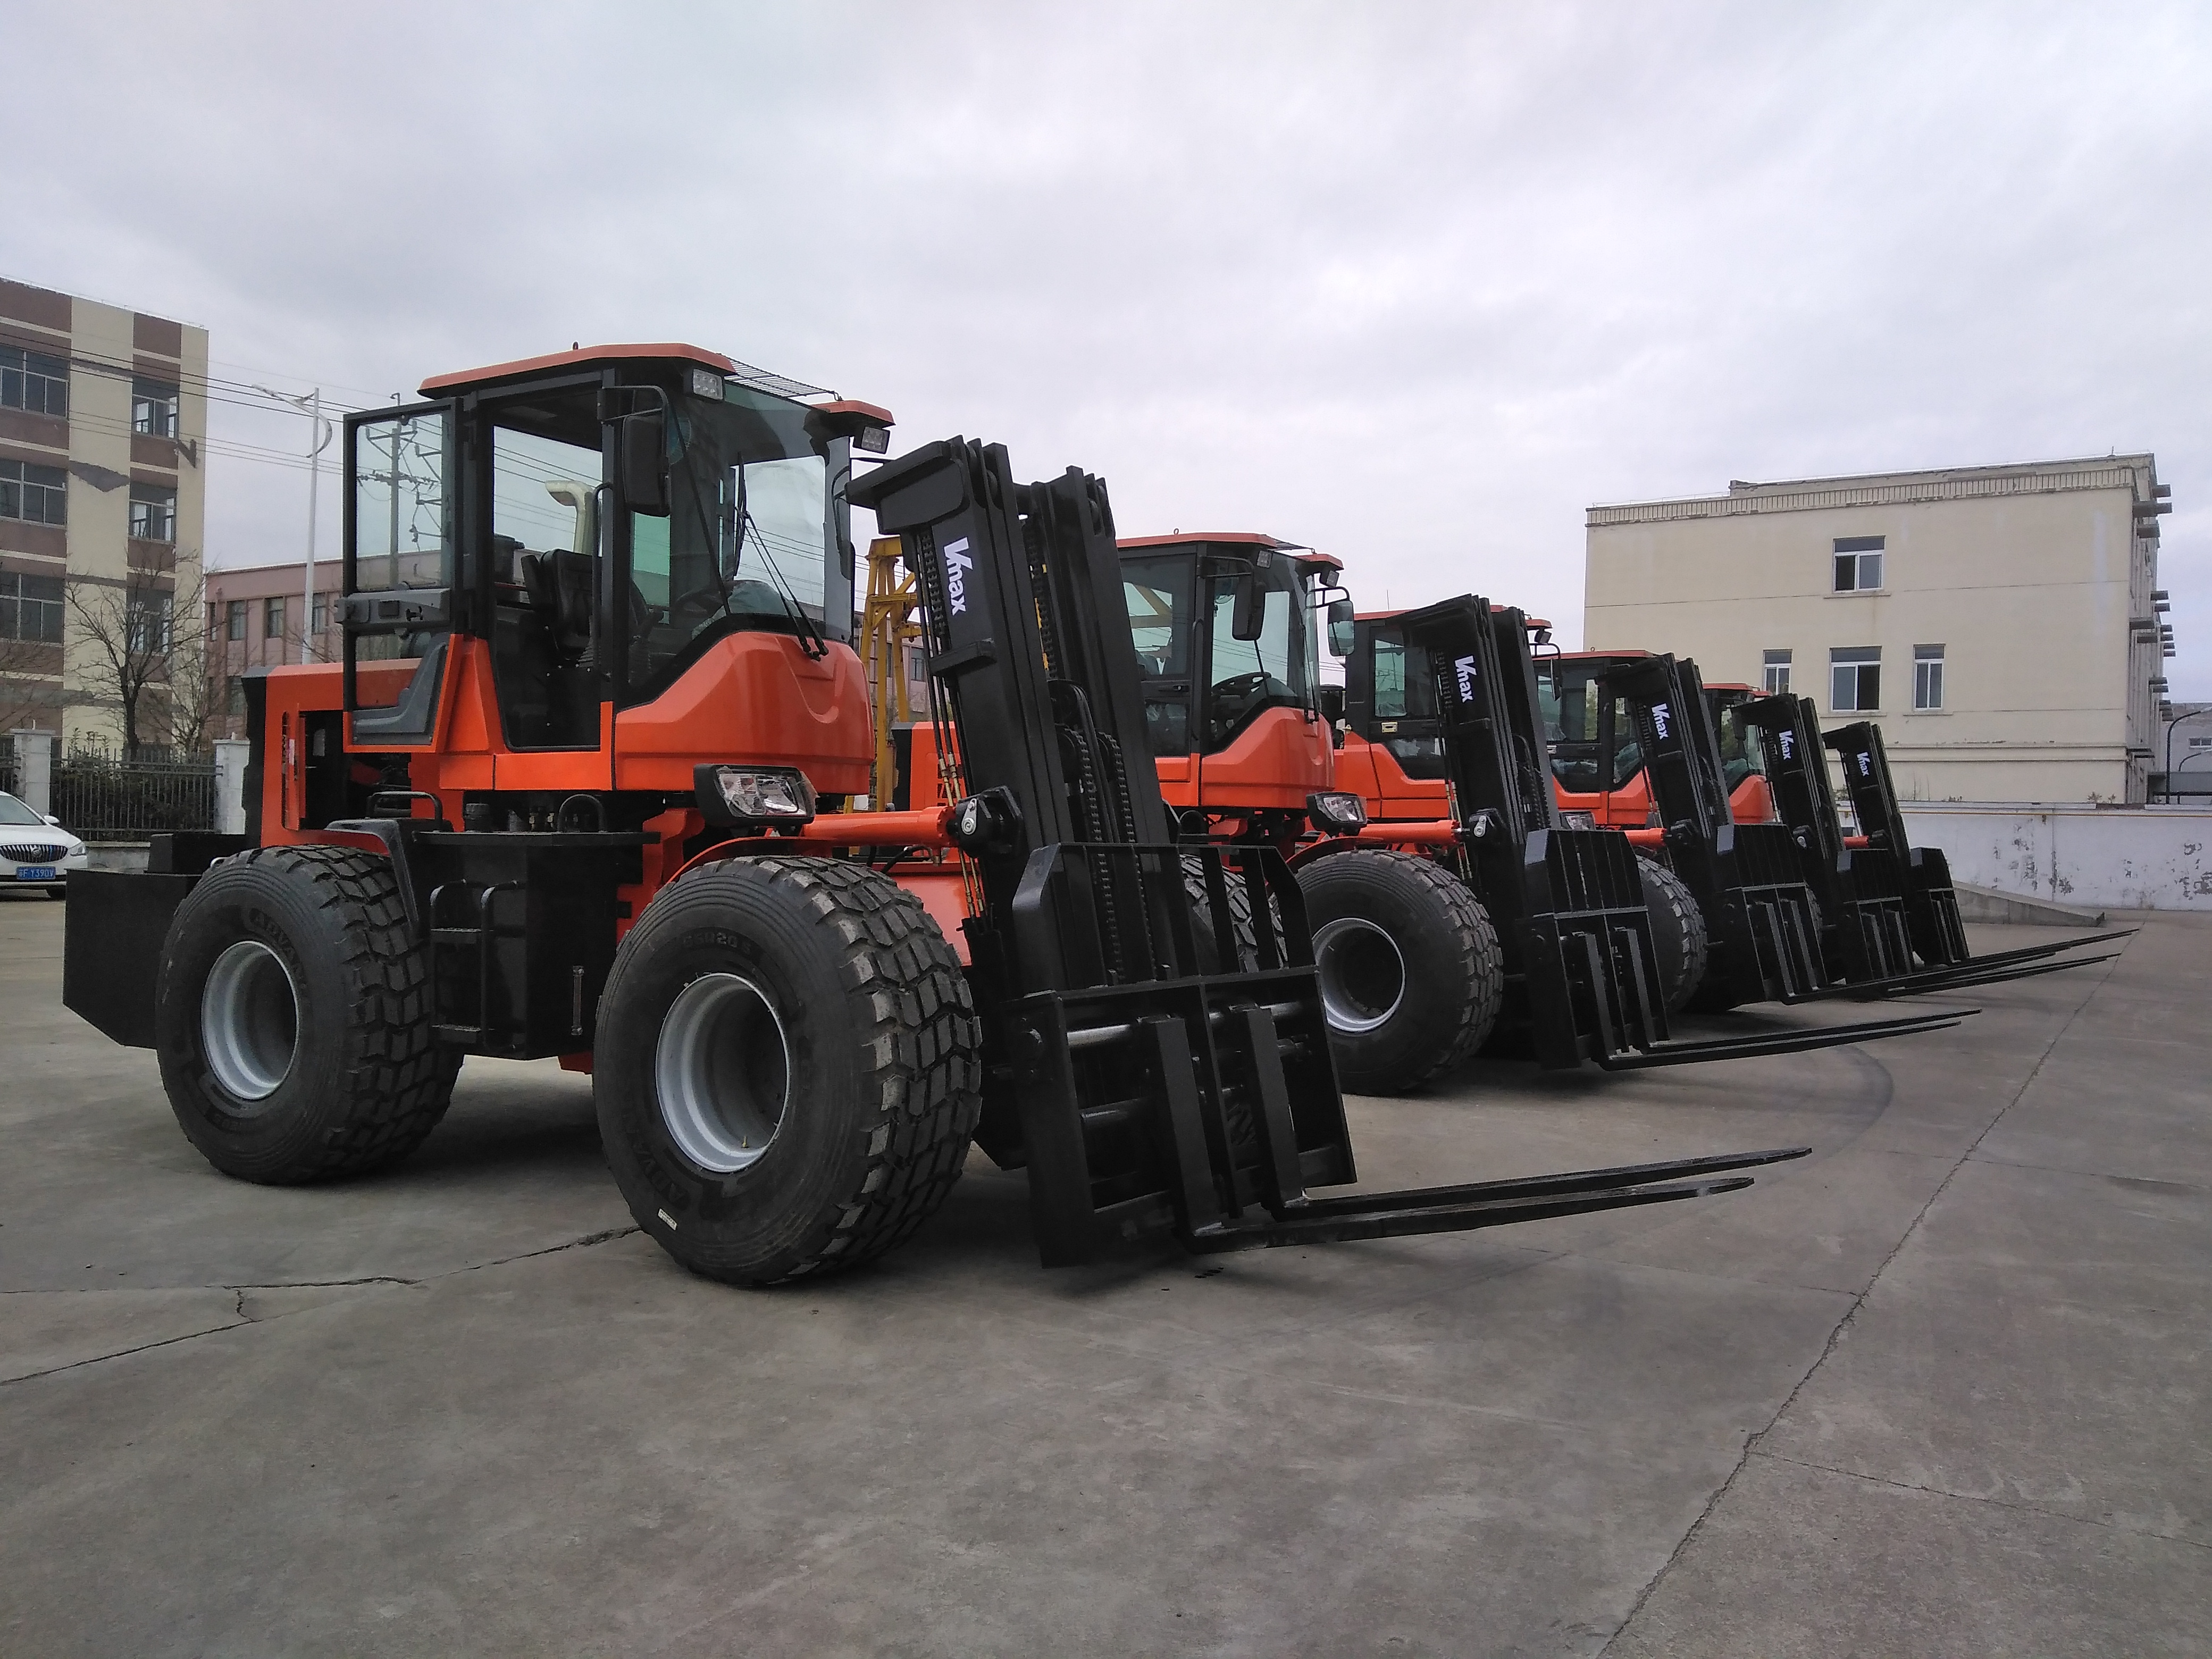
(2003, 623)
(103, 431)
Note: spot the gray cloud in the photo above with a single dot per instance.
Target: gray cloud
(1413, 283)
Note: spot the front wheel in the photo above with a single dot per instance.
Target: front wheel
(787, 1068)
(1408, 963)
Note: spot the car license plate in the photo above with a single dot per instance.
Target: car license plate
(35, 873)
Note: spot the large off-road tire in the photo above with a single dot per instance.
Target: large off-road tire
(292, 1018)
(787, 1068)
(1246, 955)
(1409, 968)
(1677, 933)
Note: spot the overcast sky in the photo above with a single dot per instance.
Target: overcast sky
(1414, 285)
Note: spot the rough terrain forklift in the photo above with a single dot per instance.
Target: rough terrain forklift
(1443, 887)
(1568, 682)
(1772, 938)
(575, 790)
(1891, 913)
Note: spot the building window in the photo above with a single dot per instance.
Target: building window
(233, 620)
(1927, 676)
(1854, 679)
(34, 381)
(35, 494)
(153, 512)
(152, 407)
(1777, 672)
(30, 607)
(1858, 563)
(318, 619)
(233, 694)
(272, 619)
(149, 623)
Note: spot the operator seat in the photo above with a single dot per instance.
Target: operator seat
(559, 584)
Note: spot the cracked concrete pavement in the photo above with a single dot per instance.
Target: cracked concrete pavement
(1937, 1389)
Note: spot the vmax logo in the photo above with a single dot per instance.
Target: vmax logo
(1661, 714)
(957, 564)
(1789, 745)
(1464, 667)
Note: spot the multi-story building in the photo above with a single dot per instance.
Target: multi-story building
(103, 429)
(2003, 623)
(253, 621)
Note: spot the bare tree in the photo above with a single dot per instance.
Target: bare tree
(142, 653)
(25, 699)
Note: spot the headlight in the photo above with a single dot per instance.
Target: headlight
(1579, 820)
(1337, 811)
(753, 796)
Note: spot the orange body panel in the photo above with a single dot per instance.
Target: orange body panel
(1629, 807)
(1372, 772)
(1276, 762)
(759, 699)
(753, 698)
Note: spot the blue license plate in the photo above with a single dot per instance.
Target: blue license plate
(35, 873)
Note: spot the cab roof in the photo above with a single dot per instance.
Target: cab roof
(760, 380)
(1303, 555)
(577, 358)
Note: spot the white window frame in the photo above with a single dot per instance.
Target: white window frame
(1864, 555)
(157, 521)
(1854, 661)
(44, 488)
(1776, 672)
(1928, 678)
(154, 407)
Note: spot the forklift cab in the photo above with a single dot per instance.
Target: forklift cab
(593, 523)
(1228, 659)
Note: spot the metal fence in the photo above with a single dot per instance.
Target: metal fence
(109, 795)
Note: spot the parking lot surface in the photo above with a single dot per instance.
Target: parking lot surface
(1940, 1388)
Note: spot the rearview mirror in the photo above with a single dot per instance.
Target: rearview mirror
(1340, 628)
(643, 440)
(1249, 617)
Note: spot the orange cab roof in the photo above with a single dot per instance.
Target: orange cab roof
(597, 354)
(1245, 537)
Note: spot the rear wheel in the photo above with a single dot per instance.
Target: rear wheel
(292, 1018)
(1408, 964)
(1677, 933)
(787, 1068)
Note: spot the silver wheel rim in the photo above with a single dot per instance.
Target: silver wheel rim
(250, 1021)
(1362, 973)
(722, 1070)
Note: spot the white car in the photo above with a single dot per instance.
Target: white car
(36, 851)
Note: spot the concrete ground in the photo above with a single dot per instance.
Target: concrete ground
(1939, 1389)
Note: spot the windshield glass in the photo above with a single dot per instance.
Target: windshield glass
(1276, 670)
(1740, 752)
(14, 812)
(756, 535)
(1566, 695)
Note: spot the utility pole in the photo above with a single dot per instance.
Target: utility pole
(319, 438)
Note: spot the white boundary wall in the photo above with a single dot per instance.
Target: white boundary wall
(2135, 858)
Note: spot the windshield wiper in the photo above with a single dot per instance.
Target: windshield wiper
(811, 639)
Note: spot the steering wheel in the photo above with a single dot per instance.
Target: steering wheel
(1241, 694)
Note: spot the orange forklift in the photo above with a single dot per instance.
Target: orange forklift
(1444, 887)
(578, 789)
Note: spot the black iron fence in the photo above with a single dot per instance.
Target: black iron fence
(116, 795)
